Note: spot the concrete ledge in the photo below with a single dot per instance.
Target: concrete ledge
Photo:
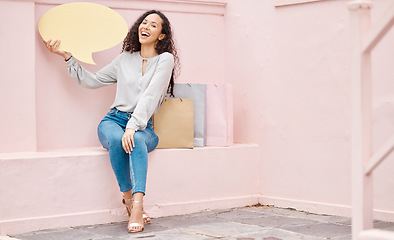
(77, 187)
(376, 234)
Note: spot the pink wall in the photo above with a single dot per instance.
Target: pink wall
(75, 111)
(43, 108)
(49, 127)
(383, 103)
(291, 74)
(17, 128)
(291, 71)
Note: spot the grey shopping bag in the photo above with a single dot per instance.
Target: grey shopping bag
(198, 93)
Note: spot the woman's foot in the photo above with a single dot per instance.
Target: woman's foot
(128, 202)
(146, 217)
(136, 222)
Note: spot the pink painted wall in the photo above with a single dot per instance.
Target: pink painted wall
(383, 104)
(291, 75)
(17, 128)
(43, 108)
(291, 71)
(75, 111)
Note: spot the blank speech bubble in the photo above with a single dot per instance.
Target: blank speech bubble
(83, 28)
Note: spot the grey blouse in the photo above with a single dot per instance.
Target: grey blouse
(140, 94)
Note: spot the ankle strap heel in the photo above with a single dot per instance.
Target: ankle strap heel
(128, 202)
(137, 202)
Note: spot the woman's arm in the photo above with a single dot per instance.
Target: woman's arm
(105, 76)
(150, 99)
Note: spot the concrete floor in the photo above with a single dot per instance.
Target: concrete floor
(247, 223)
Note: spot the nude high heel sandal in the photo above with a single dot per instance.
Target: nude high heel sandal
(135, 227)
(129, 205)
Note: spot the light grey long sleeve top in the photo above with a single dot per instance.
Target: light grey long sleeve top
(140, 94)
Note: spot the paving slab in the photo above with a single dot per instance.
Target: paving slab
(299, 214)
(241, 214)
(185, 220)
(346, 237)
(222, 229)
(274, 234)
(118, 230)
(63, 234)
(325, 230)
(282, 222)
(384, 225)
(246, 223)
(173, 234)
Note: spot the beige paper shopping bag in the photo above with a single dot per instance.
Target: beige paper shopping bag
(173, 123)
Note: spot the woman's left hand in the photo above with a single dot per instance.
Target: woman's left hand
(53, 47)
(128, 140)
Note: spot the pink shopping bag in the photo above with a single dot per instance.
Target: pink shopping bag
(219, 114)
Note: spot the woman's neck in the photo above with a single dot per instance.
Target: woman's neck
(148, 51)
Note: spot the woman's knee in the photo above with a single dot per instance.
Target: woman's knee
(146, 140)
(139, 138)
(108, 137)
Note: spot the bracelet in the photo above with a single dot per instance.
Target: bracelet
(68, 59)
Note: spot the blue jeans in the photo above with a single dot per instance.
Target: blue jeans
(130, 169)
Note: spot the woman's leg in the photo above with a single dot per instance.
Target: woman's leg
(136, 222)
(145, 141)
(110, 134)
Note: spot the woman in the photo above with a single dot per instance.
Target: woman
(144, 73)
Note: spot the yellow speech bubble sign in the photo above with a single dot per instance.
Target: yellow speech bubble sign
(83, 28)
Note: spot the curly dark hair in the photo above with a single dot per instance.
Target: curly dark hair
(132, 44)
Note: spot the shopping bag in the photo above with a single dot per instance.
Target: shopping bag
(198, 93)
(219, 115)
(173, 123)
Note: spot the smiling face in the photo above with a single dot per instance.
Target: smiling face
(149, 31)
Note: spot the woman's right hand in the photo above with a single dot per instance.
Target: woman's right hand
(53, 47)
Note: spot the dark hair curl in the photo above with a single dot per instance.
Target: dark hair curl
(132, 44)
